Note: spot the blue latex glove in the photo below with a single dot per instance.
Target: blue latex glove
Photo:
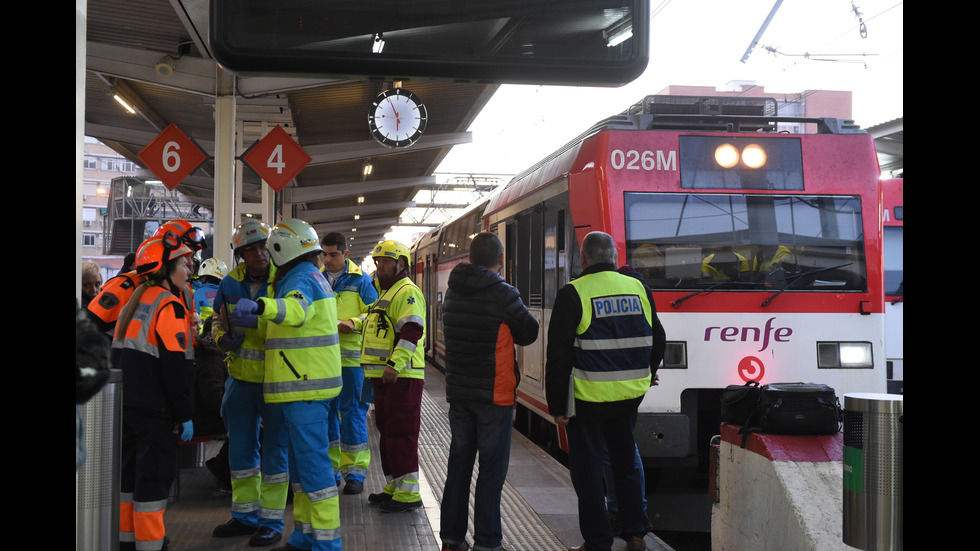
(230, 341)
(244, 314)
(186, 430)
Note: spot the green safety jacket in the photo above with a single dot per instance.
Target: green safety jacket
(355, 292)
(302, 346)
(613, 338)
(247, 362)
(402, 303)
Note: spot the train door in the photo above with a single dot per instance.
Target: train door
(522, 236)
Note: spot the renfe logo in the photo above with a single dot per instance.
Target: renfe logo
(750, 334)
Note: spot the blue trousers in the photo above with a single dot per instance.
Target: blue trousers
(586, 441)
(259, 483)
(355, 452)
(485, 429)
(316, 503)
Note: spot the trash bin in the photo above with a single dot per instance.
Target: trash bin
(97, 481)
(873, 471)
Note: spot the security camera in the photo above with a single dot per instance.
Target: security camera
(165, 67)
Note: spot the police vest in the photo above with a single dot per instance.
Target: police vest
(402, 303)
(247, 362)
(302, 348)
(613, 338)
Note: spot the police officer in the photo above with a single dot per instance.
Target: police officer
(153, 349)
(600, 343)
(259, 487)
(391, 333)
(355, 293)
(302, 377)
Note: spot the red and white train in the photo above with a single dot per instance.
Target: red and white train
(892, 217)
(763, 248)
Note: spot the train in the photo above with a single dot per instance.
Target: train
(892, 217)
(762, 245)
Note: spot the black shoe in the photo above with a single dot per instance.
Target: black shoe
(353, 486)
(392, 506)
(264, 536)
(233, 527)
(379, 497)
(287, 547)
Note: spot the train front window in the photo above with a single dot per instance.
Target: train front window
(746, 242)
(725, 162)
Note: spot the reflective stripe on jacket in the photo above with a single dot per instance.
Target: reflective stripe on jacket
(614, 338)
(302, 347)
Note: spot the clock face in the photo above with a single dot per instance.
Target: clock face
(397, 118)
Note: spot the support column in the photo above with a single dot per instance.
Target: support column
(225, 216)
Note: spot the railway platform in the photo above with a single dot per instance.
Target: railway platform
(538, 505)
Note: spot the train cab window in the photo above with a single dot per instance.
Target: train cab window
(722, 162)
(752, 242)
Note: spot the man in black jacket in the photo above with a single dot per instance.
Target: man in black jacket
(484, 318)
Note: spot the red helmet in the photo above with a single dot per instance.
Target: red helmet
(192, 236)
(156, 252)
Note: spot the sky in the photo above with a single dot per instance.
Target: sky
(701, 43)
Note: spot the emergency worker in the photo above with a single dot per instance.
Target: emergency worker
(355, 293)
(302, 377)
(725, 265)
(391, 332)
(153, 349)
(600, 348)
(209, 275)
(259, 485)
(105, 307)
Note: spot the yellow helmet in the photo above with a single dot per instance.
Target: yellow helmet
(392, 249)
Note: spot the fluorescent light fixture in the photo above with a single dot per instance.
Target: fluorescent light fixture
(378, 44)
(122, 102)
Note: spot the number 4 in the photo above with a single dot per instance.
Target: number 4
(275, 160)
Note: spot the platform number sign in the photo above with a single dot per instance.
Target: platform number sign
(172, 156)
(276, 158)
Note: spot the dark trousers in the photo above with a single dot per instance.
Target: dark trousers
(148, 466)
(398, 415)
(586, 440)
(483, 428)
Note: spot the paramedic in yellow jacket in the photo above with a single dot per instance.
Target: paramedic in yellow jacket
(392, 333)
(302, 377)
(355, 292)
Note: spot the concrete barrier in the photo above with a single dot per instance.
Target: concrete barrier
(778, 493)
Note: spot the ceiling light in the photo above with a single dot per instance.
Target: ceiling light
(122, 102)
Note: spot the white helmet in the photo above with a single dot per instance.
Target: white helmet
(213, 267)
(248, 232)
(291, 239)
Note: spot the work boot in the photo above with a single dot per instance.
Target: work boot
(233, 527)
(392, 506)
(636, 543)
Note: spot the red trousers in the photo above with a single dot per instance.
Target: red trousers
(398, 415)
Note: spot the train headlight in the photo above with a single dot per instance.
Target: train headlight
(844, 355)
(675, 355)
(754, 156)
(726, 155)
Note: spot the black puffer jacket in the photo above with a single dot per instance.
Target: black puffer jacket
(483, 318)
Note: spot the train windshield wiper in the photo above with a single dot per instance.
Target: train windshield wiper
(797, 277)
(711, 288)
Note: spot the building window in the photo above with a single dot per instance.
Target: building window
(91, 163)
(89, 239)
